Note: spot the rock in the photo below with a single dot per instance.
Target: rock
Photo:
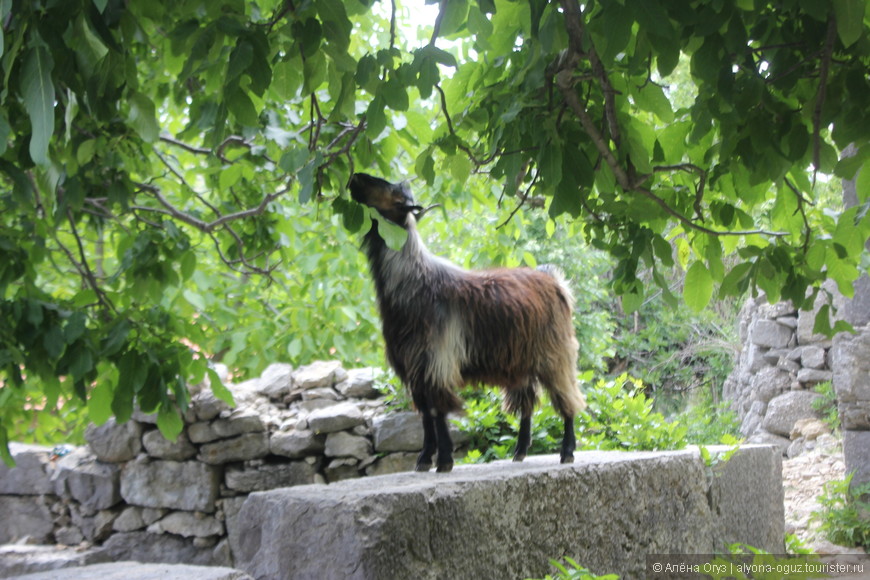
(810, 429)
(327, 393)
(785, 410)
(855, 416)
(343, 444)
(360, 383)
(392, 463)
(342, 468)
(136, 518)
(139, 571)
(812, 357)
(17, 560)
(484, 521)
(271, 476)
(398, 432)
(242, 448)
(187, 485)
(319, 374)
(770, 334)
(296, 443)
(92, 483)
(30, 476)
(95, 527)
(813, 376)
(113, 442)
(207, 406)
(164, 548)
(851, 374)
(276, 381)
(762, 437)
(156, 445)
(187, 524)
(769, 383)
(238, 422)
(750, 424)
(788, 321)
(335, 418)
(26, 516)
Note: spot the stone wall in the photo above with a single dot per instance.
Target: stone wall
(771, 387)
(137, 496)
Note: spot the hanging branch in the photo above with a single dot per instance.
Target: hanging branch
(821, 93)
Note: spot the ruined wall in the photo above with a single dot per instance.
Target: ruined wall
(141, 497)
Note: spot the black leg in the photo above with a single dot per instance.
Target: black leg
(445, 444)
(569, 441)
(424, 460)
(524, 438)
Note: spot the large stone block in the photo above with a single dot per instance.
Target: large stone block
(851, 363)
(271, 476)
(30, 476)
(164, 548)
(507, 520)
(188, 485)
(158, 446)
(770, 334)
(856, 452)
(17, 560)
(335, 418)
(242, 448)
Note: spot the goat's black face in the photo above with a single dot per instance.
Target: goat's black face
(393, 200)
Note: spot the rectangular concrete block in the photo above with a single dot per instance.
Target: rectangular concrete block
(607, 511)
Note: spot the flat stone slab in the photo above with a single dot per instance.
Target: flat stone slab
(137, 571)
(607, 511)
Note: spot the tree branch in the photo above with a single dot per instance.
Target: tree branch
(821, 93)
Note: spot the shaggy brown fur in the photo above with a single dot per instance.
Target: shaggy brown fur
(446, 327)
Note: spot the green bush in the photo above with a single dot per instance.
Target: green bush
(574, 571)
(827, 405)
(845, 518)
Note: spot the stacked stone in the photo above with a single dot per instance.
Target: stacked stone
(141, 497)
(781, 362)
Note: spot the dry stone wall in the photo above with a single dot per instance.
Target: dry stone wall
(137, 496)
(781, 362)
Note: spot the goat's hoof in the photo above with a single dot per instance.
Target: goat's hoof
(423, 467)
(519, 457)
(445, 467)
(567, 459)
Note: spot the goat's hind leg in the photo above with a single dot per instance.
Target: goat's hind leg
(444, 443)
(569, 442)
(424, 460)
(522, 402)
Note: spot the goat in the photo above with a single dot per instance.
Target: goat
(446, 327)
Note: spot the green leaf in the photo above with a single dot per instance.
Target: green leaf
(100, 402)
(169, 422)
(218, 388)
(393, 235)
(241, 106)
(37, 91)
(850, 20)
(698, 287)
(142, 117)
(652, 98)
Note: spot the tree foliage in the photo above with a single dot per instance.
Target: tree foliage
(159, 161)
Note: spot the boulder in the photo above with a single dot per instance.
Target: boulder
(335, 418)
(156, 445)
(319, 374)
(296, 443)
(92, 483)
(242, 448)
(811, 377)
(785, 410)
(276, 381)
(187, 485)
(812, 357)
(343, 444)
(770, 334)
(31, 475)
(136, 518)
(163, 548)
(25, 516)
(188, 525)
(360, 383)
(810, 429)
(769, 383)
(398, 432)
(113, 442)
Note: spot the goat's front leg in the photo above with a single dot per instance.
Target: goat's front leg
(424, 460)
(445, 444)
(524, 438)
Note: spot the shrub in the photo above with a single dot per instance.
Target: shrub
(845, 518)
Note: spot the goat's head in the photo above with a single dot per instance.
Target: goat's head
(393, 200)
